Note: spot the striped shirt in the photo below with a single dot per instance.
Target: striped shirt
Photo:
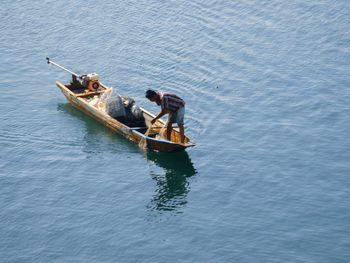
(171, 102)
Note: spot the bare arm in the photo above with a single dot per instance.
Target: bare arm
(163, 112)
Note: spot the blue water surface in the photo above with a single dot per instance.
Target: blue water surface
(266, 85)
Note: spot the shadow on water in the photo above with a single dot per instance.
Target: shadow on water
(173, 185)
(93, 141)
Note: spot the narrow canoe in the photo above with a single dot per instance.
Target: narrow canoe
(79, 98)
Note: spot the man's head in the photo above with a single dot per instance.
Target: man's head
(152, 95)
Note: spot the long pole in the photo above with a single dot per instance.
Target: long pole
(55, 64)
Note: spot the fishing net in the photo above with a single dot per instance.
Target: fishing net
(162, 134)
(107, 94)
(136, 112)
(122, 108)
(100, 102)
(143, 141)
(115, 107)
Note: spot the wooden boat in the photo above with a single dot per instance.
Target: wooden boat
(79, 97)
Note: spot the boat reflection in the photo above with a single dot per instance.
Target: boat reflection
(172, 184)
(172, 172)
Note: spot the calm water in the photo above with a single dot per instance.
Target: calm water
(267, 91)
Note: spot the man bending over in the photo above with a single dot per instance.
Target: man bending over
(170, 104)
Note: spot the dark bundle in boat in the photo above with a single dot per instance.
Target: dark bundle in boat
(125, 110)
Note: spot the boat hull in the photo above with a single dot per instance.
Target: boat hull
(128, 132)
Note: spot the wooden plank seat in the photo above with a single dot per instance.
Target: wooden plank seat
(90, 93)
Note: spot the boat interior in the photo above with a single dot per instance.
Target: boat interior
(82, 92)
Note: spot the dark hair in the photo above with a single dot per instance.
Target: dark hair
(150, 93)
